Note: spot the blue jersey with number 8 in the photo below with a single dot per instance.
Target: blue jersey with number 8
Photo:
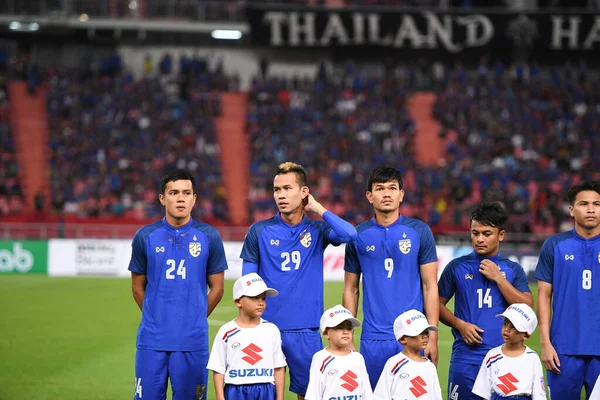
(571, 264)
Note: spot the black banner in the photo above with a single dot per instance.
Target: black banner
(425, 31)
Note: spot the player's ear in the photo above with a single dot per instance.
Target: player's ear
(161, 198)
(501, 234)
(238, 303)
(369, 196)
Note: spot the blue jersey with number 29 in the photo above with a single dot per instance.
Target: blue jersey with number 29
(290, 259)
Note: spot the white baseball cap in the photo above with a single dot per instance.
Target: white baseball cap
(251, 285)
(335, 316)
(411, 323)
(522, 317)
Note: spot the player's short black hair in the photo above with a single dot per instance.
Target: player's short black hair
(297, 169)
(177, 175)
(593, 186)
(383, 174)
(491, 214)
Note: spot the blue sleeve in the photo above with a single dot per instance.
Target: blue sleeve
(427, 250)
(250, 251)
(216, 259)
(341, 230)
(520, 280)
(248, 267)
(139, 261)
(351, 263)
(544, 271)
(447, 283)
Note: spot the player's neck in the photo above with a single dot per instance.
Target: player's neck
(247, 321)
(386, 219)
(513, 349)
(177, 222)
(413, 354)
(338, 350)
(587, 233)
(293, 218)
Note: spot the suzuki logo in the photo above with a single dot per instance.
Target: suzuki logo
(252, 356)
(507, 381)
(418, 386)
(350, 381)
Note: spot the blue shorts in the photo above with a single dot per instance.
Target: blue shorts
(461, 378)
(186, 370)
(376, 353)
(299, 347)
(258, 391)
(576, 372)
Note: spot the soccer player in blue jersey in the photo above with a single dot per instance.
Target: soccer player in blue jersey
(484, 284)
(569, 299)
(397, 259)
(287, 252)
(172, 263)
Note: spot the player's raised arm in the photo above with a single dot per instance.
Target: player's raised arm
(342, 231)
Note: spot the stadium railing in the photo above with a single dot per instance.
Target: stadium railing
(16, 230)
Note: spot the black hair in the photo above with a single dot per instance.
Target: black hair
(593, 186)
(491, 214)
(382, 175)
(176, 175)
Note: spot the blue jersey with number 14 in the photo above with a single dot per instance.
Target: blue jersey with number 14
(389, 259)
(478, 300)
(290, 259)
(571, 264)
(176, 262)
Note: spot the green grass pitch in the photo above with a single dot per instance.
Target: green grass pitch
(74, 338)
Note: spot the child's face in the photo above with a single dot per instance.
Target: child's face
(418, 342)
(252, 307)
(340, 336)
(510, 334)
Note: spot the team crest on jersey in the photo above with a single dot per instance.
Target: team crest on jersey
(404, 245)
(195, 249)
(305, 239)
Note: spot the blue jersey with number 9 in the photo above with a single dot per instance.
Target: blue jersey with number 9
(176, 262)
(389, 259)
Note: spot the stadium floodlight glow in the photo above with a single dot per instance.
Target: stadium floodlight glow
(226, 34)
(83, 17)
(33, 26)
(14, 26)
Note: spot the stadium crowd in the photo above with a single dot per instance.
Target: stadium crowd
(111, 136)
(11, 199)
(517, 134)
